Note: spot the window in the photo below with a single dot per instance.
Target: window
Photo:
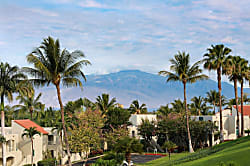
(50, 139)
(133, 133)
(200, 118)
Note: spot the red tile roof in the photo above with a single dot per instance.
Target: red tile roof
(246, 109)
(26, 123)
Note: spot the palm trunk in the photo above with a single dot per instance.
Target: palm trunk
(63, 123)
(242, 109)
(2, 129)
(187, 118)
(31, 113)
(128, 157)
(214, 109)
(32, 152)
(237, 107)
(220, 104)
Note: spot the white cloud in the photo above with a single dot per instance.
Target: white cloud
(229, 40)
(44, 12)
(91, 4)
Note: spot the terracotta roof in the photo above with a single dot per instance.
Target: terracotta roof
(26, 123)
(246, 109)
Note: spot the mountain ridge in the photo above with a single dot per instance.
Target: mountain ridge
(128, 85)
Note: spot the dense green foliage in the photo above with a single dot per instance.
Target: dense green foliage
(47, 162)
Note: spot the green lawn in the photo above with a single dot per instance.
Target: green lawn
(237, 151)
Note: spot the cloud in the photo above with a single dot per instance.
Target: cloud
(43, 12)
(91, 4)
(229, 40)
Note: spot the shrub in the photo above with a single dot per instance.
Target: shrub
(96, 152)
(118, 157)
(101, 162)
(47, 162)
(29, 165)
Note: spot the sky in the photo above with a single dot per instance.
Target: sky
(124, 34)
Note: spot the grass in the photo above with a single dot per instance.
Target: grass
(237, 151)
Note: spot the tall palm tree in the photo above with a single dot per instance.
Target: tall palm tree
(29, 102)
(185, 73)
(56, 66)
(104, 104)
(244, 75)
(30, 133)
(233, 65)
(10, 76)
(135, 107)
(214, 60)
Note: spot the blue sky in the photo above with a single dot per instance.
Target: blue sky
(126, 34)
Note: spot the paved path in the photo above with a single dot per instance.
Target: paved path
(139, 159)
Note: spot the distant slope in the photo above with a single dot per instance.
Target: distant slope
(129, 85)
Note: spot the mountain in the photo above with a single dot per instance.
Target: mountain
(129, 85)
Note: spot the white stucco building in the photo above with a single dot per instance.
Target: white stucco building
(136, 120)
(229, 119)
(18, 148)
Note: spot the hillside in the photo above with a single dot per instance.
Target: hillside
(236, 151)
(129, 85)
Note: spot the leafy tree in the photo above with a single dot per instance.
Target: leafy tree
(185, 73)
(169, 146)
(30, 133)
(147, 129)
(128, 145)
(233, 66)
(114, 134)
(10, 76)
(214, 60)
(104, 104)
(87, 136)
(136, 108)
(117, 117)
(56, 66)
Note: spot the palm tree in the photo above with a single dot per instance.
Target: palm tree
(244, 75)
(128, 145)
(30, 133)
(212, 98)
(214, 60)
(30, 102)
(10, 76)
(178, 106)
(199, 106)
(164, 111)
(233, 65)
(104, 104)
(56, 66)
(135, 107)
(169, 146)
(185, 73)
